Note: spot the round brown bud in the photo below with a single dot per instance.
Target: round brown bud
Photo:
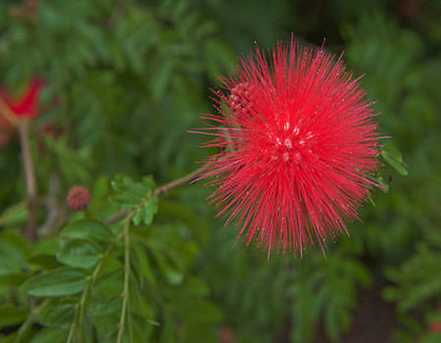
(78, 198)
(435, 327)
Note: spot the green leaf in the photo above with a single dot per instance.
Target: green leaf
(137, 197)
(418, 280)
(219, 58)
(14, 215)
(87, 230)
(44, 260)
(56, 283)
(12, 280)
(327, 288)
(13, 251)
(143, 263)
(73, 163)
(48, 246)
(145, 213)
(393, 157)
(105, 308)
(433, 337)
(140, 302)
(171, 272)
(49, 335)
(57, 314)
(10, 315)
(79, 253)
(161, 78)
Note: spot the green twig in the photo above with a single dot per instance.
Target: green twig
(29, 321)
(31, 187)
(125, 294)
(127, 217)
(80, 307)
(193, 176)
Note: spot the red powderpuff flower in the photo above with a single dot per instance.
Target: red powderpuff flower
(25, 106)
(297, 143)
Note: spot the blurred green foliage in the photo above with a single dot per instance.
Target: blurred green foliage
(125, 80)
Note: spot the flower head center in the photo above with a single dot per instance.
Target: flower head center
(291, 144)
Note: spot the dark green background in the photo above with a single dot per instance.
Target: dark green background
(127, 79)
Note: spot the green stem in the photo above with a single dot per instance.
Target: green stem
(127, 217)
(122, 214)
(181, 181)
(125, 294)
(29, 321)
(31, 187)
(80, 308)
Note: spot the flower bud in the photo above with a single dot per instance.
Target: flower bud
(78, 198)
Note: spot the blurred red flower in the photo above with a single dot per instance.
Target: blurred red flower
(297, 143)
(25, 106)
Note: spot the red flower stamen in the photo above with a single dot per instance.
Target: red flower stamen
(304, 143)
